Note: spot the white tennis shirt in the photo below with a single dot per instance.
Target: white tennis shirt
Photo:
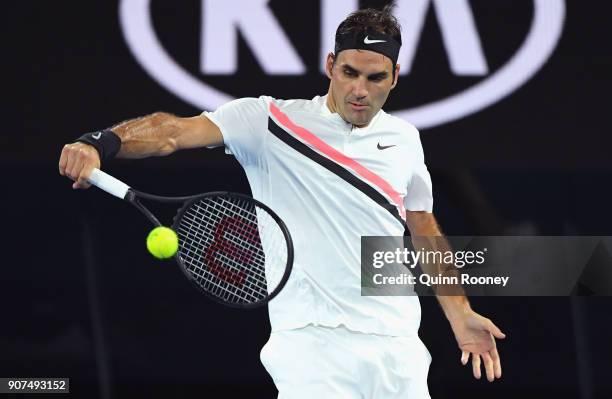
(331, 184)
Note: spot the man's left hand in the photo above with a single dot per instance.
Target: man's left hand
(476, 337)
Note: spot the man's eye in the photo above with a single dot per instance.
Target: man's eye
(348, 72)
(376, 78)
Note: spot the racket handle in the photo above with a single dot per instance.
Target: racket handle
(108, 183)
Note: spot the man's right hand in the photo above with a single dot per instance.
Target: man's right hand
(77, 161)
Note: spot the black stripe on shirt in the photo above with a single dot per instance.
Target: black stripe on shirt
(334, 168)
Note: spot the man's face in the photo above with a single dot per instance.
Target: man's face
(360, 82)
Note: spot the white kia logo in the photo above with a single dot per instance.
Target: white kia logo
(276, 56)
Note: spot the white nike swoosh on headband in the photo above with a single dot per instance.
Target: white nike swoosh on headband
(368, 41)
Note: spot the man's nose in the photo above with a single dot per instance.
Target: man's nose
(360, 89)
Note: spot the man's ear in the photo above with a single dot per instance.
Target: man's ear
(397, 70)
(329, 64)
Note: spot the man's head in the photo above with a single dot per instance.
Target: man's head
(363, 69)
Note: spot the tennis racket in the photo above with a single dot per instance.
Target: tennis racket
(233, 248)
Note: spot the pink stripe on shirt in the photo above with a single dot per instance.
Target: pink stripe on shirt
(340, 158)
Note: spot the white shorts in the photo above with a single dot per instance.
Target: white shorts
(321, 362)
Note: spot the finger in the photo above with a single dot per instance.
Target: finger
(63, 161)
(81, 183)
(493, 329)
(76, 172)
(476, 365)
(83, 179)
(488, 363)
(465, 355)
(496, 363)
(71, 159)
(75, 165)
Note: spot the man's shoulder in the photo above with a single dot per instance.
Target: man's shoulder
(391, 122)
(297, 104)
(286, 105)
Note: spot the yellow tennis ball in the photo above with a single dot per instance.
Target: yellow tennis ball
(162, 242)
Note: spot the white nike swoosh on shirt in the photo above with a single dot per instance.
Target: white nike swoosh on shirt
(368, 41)
(97, 135)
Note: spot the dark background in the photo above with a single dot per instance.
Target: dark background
(81, 298)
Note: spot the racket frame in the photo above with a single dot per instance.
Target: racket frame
(277, 219)
(133, 196)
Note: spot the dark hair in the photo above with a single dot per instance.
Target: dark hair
(373, 21)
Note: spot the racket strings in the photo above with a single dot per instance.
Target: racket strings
(232, 248)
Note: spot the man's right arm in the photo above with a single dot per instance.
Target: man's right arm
(158, 134)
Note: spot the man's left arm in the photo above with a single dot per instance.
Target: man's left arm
(475, 334)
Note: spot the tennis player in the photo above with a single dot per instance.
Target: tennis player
(334, 168)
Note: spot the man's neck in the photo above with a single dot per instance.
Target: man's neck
(331, 104)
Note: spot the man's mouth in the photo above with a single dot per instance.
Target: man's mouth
(357, 106)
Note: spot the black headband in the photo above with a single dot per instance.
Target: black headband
(376, 42)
